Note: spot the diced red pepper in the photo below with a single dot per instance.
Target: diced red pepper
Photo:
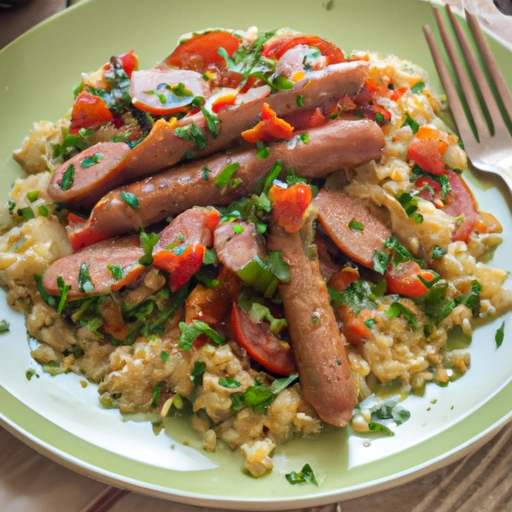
(277, 47)
(289, 205)
(129, 61)
(90, 112)
(403, 279)
(181, 263)
(270, 127)
(263, 346)
(81, 234)
(202, 51)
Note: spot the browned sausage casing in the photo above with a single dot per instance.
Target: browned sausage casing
(324, 370)
(336, 145)
(163, 148)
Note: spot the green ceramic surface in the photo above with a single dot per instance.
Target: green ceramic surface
(37, 75)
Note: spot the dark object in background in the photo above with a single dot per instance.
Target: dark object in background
(505, 6)
(8, 4)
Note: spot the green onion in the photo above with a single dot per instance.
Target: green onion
(229, 383)
(263, 151)
(33, 195)
(304, 137)
(91, 160)
(84, 279)
(164, 356)
(300, 101)
(63, 292)
(304, 475)
(196, 375)
(273, 175)
(190, 332)
(116, 271)
(67, 178)
(27, 213)
(380, 261)
(226, 174)
(418, 87)
(43, 211)
(49, 299)
(354, 225)
(238, 229)
(409, 121)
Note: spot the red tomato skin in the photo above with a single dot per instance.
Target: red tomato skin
(403, 279)
(278, 47)
(426, 154)
(129, 61)
(89, 112)
(201, 52)
(261, 344)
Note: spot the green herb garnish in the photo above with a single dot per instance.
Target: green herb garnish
(116, 271)
(354, 225)
(229, 383)
(84, 279)
(130, 199)
(197, 373)
(68, 178)
(190, 332)
(304, 475)
(226, 174)
(91, 160)
(300, 101)
(418, 87)
(500, 335)
(148, 241)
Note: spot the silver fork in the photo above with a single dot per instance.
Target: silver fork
(489, 151)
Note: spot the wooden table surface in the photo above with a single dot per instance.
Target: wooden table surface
(480, 482)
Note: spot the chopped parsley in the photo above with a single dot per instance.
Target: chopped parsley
(397, 309)
(197, 373)
(370, 323)
(63, 292)
(379, 427)
(418, 87)
(190, 332)
(443, 180)
(280, 384)
(4, 326)
(156, 394)
(130, 199)
(84, 279)
(164, 356)
(148, 241)
(358, 296)
(379, 117)
(116, 271)
(380, 261)
(68, 178)
(300, 101)
(272, 175)
(49, 299)
(192, 133)
(438, 252)
(205, 173)
(354, 225)
(304, 137)
(278, 266)
(304, 475)
(226, 174)
(409, 121)
(410, 205)
(212, 121)
(258, 398)
(500, 335)
(210, 257)
(91, 160)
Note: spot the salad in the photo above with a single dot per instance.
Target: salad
(260, 232)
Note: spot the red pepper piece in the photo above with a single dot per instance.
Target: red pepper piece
(181, 263)
(129, 61)
(289, 205)
(89, 112)
(403, 279)
(270, 127)
(80, 234)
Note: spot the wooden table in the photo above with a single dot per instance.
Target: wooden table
(481, 482)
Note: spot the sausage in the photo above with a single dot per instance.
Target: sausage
(336, 145)
(163, 148)
(324, 370)
(108, 154)
(123, 252)
(235, 250)
(336, 210)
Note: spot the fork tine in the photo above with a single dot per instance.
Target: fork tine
(459, 115)
(480, 123)
(492, 106)
(489, 60)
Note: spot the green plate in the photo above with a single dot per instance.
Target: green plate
(61, 419)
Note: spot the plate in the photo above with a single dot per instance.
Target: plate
(65, 421)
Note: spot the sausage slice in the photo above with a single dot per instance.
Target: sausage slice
(352, 227)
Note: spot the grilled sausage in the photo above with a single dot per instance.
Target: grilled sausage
(163, 148)
(336, 210)
(318, 345)
(333, 146)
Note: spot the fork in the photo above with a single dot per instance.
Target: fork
(489, 151)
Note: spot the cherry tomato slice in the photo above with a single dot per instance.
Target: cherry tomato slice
(201, 51)
(276, 48)
(265, 348)
(426, 154)
(90, 112)
(403, 279)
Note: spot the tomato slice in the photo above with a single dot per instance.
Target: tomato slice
(463, 205)
(265, 348)
(90, 112)
(129, 61)
(277, 47)
(289, 205)
(403, 279)
(202, 51)
(426, 153)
